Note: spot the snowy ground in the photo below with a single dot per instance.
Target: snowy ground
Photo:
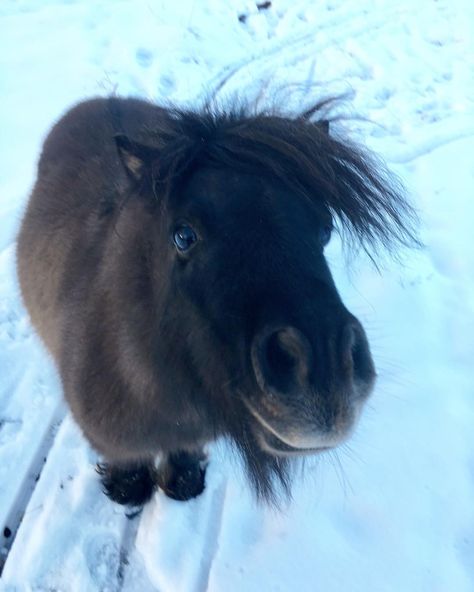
(392, 512)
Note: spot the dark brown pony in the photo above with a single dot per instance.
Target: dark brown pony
(173, 264)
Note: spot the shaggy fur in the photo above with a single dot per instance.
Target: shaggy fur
(245, 335)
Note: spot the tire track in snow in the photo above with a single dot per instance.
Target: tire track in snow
(90, 534)
(177, 542)
(437, 135)
(27, 486)
(129, 536)
(211, 537)
(30, 412)
(131, 574)
(293, 50)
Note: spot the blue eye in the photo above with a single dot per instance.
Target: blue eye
(184, 237)
(325, 235)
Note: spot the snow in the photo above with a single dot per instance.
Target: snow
(392, 510)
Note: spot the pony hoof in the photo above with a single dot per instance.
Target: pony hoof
(181, 481)
(132, 486)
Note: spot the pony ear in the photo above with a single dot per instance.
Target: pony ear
(324, 126)
(136, 158)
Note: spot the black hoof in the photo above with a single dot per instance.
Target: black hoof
(131, 486)
(181, 476)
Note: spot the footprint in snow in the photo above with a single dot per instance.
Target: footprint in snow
(144, 57)
(102, 558)
(167, 84)
(13, 327)
(9, 428)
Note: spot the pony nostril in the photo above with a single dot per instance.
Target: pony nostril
(357, 349)
(282, 360)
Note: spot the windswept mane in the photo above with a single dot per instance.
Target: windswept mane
(367, 201)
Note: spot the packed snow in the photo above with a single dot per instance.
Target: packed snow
(391, 511)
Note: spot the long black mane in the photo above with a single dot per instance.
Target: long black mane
(366, 200)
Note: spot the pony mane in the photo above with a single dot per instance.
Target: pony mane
(367, 201)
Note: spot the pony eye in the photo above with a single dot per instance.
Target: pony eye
(184, 237)
(325, 235)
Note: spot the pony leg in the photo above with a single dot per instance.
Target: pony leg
(181, 474)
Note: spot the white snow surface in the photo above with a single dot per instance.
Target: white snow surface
(394, 509)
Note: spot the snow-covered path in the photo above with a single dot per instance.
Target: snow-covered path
(394, 510)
